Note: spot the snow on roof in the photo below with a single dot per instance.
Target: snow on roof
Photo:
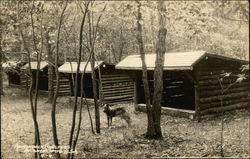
(71, 67)
(173, 61)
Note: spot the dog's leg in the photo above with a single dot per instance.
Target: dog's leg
(108, 121)
(111, 121)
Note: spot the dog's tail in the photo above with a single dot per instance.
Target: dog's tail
(127, 118)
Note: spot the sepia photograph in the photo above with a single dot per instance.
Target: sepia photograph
(124, 79)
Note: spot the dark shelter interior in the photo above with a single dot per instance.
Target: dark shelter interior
(178, 90)
(14, 78)
(87, 85)
(43, 79)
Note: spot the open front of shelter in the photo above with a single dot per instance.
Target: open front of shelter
(43, 75)
(113, 86)
(14, 73)
(193, 81)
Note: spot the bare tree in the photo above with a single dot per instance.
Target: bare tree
(158, 72)
(154, 111)
(76, 81)
(1, 56)
(50, 65)
(53, 110)
(80, 112)
(144, 68)
(92, 40)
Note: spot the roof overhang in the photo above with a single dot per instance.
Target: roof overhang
(33, 65)
(71, 67)
(152, 68)
(173, 61)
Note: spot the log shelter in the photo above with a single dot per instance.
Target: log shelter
(43, 75)
(193, 81)
(12, 70)
(114, 86)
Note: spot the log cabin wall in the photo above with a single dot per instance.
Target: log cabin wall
(115, 86)
(64, 85)
(24, 80)
(210, 71)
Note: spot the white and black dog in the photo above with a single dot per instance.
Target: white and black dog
(116, 112)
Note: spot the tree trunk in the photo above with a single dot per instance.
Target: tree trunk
(158, 73)
(94, 85)
(50, 67)
(76, 83)
(37, 134)
(1, 73)
(74, 142)
(93, 76)
(53, 111)
(158, 82)
(150, 127)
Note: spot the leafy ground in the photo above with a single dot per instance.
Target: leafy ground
(182, 137)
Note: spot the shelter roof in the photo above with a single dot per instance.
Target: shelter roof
(173, 61)
(71, 67)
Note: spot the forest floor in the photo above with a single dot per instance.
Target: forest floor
(182, 137)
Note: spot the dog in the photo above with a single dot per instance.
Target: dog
(117, 112)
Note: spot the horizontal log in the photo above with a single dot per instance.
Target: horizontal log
(118, 94)
(63, 86)
(218, 91)
(116, 81)
(225, 103)
(62, 80)
(214, 72)
(227, 96)
(208, 77)
(118, 97)
(117, 100)
(212, 82)
(215, 87)
(118, 88)
(212, 67)
(172, 87)
(113, 75)
(117, 85)
(64, 92)
(118, 91)
(226, 108)
(214, 77)
(116, 78)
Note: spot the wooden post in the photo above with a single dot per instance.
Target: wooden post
(135, 93)
(101, 96)
(197, 102)
(197, 96)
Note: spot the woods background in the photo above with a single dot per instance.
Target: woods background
(219, 27)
